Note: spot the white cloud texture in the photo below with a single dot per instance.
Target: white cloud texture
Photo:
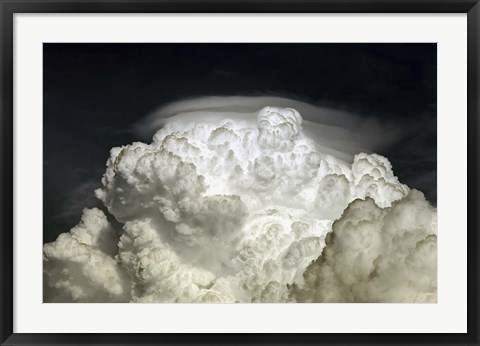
(231, 210)
(377, 255)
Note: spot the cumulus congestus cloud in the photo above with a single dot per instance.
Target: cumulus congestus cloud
(230, 210)
(377, 255)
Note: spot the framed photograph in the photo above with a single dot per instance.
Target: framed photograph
(254, 172)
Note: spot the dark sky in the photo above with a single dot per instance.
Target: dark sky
(95, 93)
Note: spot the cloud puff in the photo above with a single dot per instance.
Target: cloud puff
(335, 132)
(220, 210)
(79, 266)
(377, 255)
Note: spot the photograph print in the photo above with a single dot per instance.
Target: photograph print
(239, 173)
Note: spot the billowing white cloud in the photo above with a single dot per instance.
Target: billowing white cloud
(335, 132)
(80, 265)
(230, 210)
(377, 255)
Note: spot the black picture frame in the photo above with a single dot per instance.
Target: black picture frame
(10, 7)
